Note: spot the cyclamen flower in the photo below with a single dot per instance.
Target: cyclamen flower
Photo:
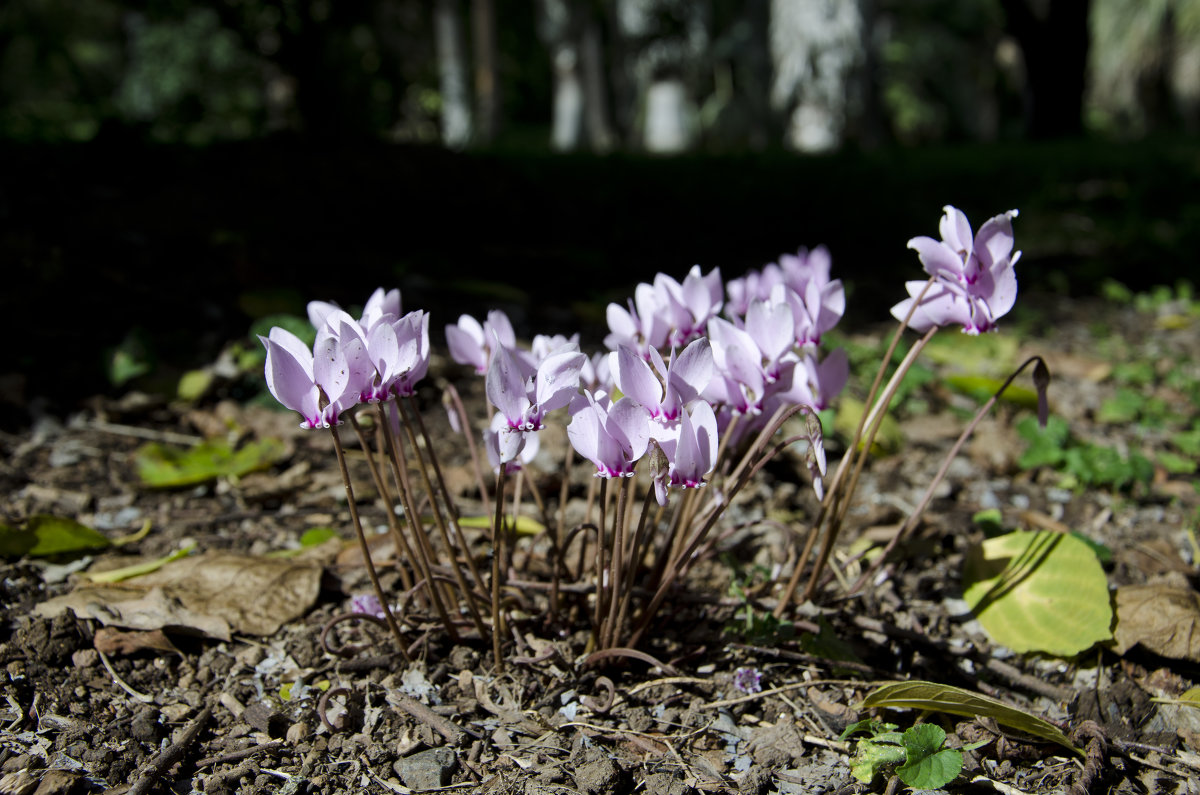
(613, 436)
(508, 448)
(975, 282)
(666, 389)
(525, 395)
(666, 312)
(379, 304)
(471, 342)
(747, 680)
(691, 454)
(319, 384)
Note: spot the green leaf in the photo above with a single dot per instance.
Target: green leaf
(827, 643)
(49, 535)
(988, 354)
(927, 765)
(850, 411)
(194, 384)
(1136, 373)
(870, 756)
(1038, 591)
(160, 466)
(1046, 445)
(138, 569)
(525, 525)
(1188, 442)
(935, 697)
(1124, 407)
(315, 536)
(990, 521)
(293, 323)
(1176, 464)
(1103, 553)
(1116, 292)
(932, 772)
(867, 725)
(982, 387)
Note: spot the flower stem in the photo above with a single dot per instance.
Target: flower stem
(366, 551)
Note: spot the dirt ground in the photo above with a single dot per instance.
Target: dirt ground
(95, 704)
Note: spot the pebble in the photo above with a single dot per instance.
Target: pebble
(428, 769)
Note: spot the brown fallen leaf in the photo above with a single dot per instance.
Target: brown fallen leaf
(134, 608)
(255, 595)
(1164, 619)
(206, 594)
(111, 640)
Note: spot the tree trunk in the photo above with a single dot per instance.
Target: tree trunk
(817, 52)
(452, 71)
(487, 89)
(1055, 45)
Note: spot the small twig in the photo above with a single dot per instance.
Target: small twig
(142, 697)
(729, 702)
(274, 746)
(151, 773)
(144, 433)
(453, 734)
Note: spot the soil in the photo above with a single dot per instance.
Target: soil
(87, 710)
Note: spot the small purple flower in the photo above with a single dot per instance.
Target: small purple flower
(975, 281)
(367, 604)
(747, 680)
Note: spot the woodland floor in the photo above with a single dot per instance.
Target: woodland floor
(89, 704)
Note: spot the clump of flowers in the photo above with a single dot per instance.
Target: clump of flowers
(698, 379)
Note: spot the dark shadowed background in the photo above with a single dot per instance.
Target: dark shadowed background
(174, 169)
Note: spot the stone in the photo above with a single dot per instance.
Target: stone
(427, 769)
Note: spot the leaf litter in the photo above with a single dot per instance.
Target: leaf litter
(546, 725)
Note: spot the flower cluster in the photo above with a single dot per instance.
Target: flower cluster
(381, 355)
(974, 282)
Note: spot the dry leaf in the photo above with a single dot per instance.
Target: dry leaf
(1164, 619)
(205, 594)
(255, 595)
(111, 640)
(133, 608)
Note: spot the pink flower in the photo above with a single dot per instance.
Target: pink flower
(471, 342)
(525, 395)
(975, 281)
(613, 436)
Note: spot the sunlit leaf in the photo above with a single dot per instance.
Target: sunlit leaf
(928, 765)
(845, 422)
(315, 536)
(985, 353)
(525, 526)
(194, 384)
(1038, 591)
(982, 387)
(160, 466)
(49, 535)
(935, 697)
(138, 569)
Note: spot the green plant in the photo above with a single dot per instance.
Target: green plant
(918, 754)
(1082, 463)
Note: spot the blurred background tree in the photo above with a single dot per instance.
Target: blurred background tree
(654, 75)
